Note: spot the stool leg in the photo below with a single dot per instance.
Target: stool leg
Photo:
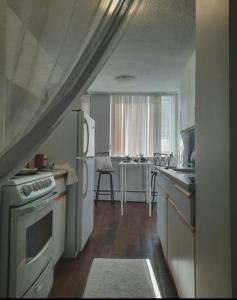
(111, 188)
(97, 190)
(152, 177)
(154, 190)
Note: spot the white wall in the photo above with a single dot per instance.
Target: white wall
(100, 112)
(213, 268)
(187, 94)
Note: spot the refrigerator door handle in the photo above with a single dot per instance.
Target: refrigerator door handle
(85, 176)
(87, 132)
(86, 166)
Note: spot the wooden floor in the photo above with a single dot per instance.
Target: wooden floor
(132, 236)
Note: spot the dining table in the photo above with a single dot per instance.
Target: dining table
(146, 165)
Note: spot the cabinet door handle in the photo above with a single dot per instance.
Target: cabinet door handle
(180, 214)
(185, 221)
(186, 193)
(172, 202)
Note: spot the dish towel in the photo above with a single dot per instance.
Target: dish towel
(71, 177)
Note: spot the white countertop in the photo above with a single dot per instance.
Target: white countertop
(181, 178)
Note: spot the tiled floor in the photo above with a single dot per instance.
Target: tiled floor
(132, 236)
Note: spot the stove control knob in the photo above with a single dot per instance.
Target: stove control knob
(35, 186)
(41, 183)
(27, 189)
(38, 185)
(44, 183)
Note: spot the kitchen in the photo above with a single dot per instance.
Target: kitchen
(207, 247)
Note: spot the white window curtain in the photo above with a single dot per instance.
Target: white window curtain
(142, 124)
(169, 124)
(51, 51)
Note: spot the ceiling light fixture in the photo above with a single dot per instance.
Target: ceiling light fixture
(125, 78)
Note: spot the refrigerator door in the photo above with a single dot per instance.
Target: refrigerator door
(86, 135)
(85, 208)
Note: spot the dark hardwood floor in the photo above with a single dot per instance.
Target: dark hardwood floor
(132, 236)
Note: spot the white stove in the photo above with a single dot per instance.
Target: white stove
(26, 224)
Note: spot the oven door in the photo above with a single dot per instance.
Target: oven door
(30, 243)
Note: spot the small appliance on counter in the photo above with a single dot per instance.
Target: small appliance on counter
(188, 153)
(192, 159)
(41, 161)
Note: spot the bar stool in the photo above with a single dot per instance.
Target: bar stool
(104, 167)
(160, 159)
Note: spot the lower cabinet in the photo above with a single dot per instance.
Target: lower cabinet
(59, 219)
(181, 252)
(186, 271)
(173, 241)
(162, 219)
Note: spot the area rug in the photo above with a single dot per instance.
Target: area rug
(121, 278)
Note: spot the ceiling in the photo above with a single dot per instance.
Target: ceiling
(154, 48)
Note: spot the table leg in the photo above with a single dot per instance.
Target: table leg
(149, 189)
(125, 184)
(121, 188)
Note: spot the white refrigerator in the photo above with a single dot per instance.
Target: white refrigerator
(80, 202)
(73, 142)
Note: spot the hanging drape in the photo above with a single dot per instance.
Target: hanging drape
(51, 50)
(135, 125)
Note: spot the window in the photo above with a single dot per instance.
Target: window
(168, 136)
(142, 124)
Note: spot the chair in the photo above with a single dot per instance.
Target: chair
(160, 159)
(104, 167)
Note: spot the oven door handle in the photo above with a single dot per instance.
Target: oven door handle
(35, 207)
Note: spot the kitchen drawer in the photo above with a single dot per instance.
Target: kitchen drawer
(183, 199)
(41, 288)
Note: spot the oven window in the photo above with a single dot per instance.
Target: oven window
(37, 235)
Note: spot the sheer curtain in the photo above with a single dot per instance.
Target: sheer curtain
(135, 124)
(51, 51)
(169, 134)
(143, 124)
